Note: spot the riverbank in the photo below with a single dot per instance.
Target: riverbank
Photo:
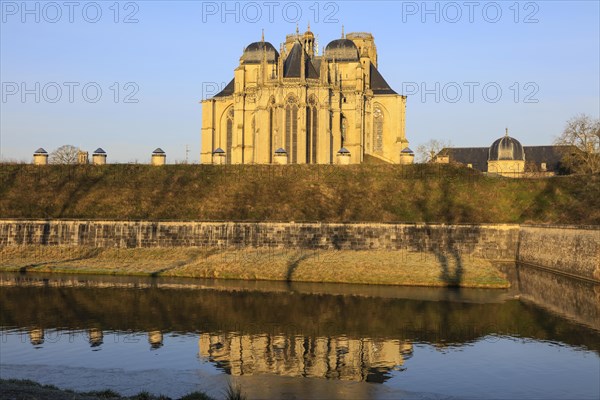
(14, 389)
(382, 267)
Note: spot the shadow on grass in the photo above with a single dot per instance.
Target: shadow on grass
(88, 255)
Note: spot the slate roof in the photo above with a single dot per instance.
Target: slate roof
(341, 50)
(227, 90)
(478, 156)
(378, 84)
(293, 64)
(506, 148)
(551, 155)
(254, 53)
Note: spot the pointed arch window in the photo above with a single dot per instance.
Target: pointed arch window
(343, 128)
(311, 130)
(271, 128)
(229, 133)
(291, 129)
(377, 130)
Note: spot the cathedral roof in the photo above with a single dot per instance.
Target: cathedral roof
(506, 148)
(378, 84)
(293, 64)
(227, 90)
(341, 50)
(254, 53)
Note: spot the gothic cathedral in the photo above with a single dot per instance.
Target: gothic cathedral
(296, 106)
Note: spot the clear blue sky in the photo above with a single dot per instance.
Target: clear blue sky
(550, 49)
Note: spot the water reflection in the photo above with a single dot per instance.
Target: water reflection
(36, 336)
(96, 337)
(342, 358)
(312, 331)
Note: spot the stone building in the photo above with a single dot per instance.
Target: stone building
(508, 157)
(306, 105)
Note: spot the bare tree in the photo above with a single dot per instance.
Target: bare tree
(427, 151)
(582, 134)
(66, 154)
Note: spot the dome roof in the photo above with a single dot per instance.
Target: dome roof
(506, 148)
(253, 54)
(341, 50)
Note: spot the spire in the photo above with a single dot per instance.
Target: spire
(308, 28)
(343, 36)
(297, 30)
(507, 132)
(262, 39)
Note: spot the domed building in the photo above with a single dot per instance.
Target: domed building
(506, 157)
(306, 106)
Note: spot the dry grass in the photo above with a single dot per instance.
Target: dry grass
(344, 266)
(358, 193)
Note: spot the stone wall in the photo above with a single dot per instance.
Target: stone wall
(572, 250)
(567, 249)
(496, 242)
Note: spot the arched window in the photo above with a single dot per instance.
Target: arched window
(229, 146)
(271, 128)
(377, 130)
(253, 127)
(311, 130)
(343, 128)
(291, 129)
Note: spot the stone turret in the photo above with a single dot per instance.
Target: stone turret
(280, 157)
(159, 157)
(40, 157)
(343, 156)
(99, 157)
(407, 156)
(219, 156)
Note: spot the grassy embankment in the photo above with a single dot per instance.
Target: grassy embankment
(367, 267)
(378, 193)
(11, 389)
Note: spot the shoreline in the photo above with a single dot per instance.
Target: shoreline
(398, 268)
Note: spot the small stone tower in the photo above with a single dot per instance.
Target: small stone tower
(159, 157)
(407, 156)
(83, 157)
(99, 157)
(343, 156)
(219, 156)
(40, 157)
(280, 157)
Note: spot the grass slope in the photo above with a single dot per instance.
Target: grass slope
(381, 193)
(365, 267)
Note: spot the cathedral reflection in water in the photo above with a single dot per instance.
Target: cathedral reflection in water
(321, 357)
